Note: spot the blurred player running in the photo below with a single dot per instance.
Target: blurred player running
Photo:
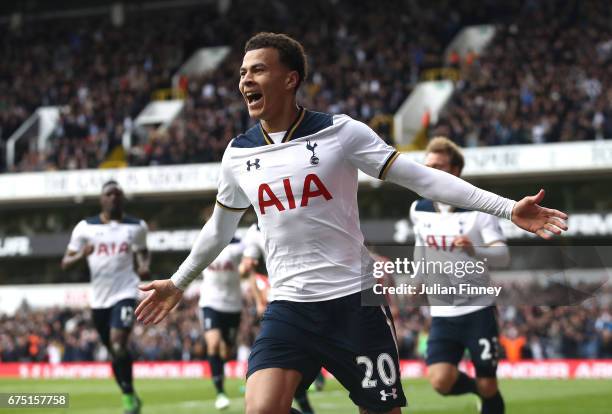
(221, 305)
(254, 251)
(109, 242)
(298, 168)
(472, 324)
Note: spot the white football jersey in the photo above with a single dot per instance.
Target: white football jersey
(220, 289)
(304, 191)
(111, 264)
(254, 246)
(436, 225)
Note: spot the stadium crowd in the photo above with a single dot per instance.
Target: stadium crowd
(103, 75)
(363, 74)
(527, 332)
(544, 78)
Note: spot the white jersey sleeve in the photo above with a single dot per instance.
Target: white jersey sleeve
(441, 186)
(140, 237)
(253, 243)
(237, 251)
(214, 236)
(418, 240)
(491, 233)
(491, 230)
(78, 239)
(364, 149)
(230, 195)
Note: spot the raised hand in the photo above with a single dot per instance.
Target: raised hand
(529, 215)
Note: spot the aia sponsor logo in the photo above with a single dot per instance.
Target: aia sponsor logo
(222, 267)
(440, 242)
(111, 249)
(313, 187)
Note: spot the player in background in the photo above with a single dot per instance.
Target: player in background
(471, 325)
(221, 305)
(387, 280)
(110, 242)
(254, 251)
(299, 170)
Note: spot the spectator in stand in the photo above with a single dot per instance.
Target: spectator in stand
(104, 75)
(603, 326)
(544, 78)
(512, 343)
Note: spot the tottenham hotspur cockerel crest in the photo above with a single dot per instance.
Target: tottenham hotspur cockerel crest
(314, 160)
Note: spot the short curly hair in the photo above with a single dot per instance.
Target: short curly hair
(290, 51)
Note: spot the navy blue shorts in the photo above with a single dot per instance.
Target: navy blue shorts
(118, 316)
(355, 343)
(477, 332)
(226, 322)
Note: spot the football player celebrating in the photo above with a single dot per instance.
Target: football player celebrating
(298, 168)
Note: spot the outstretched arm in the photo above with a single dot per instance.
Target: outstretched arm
(440, 186)
(366, 151)
(215, 235)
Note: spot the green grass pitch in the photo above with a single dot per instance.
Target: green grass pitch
(177, 396)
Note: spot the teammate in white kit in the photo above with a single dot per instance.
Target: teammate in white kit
(466, 322)
(221, 305)
(254, 251)
(109, 242)
(298, 169)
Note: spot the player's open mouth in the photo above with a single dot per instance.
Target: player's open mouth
(253, 98)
